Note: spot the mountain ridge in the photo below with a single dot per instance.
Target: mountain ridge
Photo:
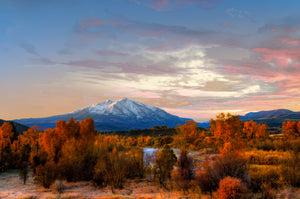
(18, 128)
(273, 118)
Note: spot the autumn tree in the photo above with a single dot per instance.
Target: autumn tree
(290, 129)
(51, 142)
(6, 139)
(26, 147)
(227, 128)
(164, 163)
(183, 174)
(187, 134)
(212, 171)
(253, 131)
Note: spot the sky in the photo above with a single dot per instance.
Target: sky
(192, 58)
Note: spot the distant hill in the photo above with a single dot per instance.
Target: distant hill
(272, 118)
(18, 128)
(121, 115)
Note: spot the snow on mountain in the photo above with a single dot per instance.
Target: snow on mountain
(124, 114)
(123, 108)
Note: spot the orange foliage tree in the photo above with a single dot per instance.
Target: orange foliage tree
(252, 130)
(227, 128)
(25, 145)
(6, 139)
(188, 134)
(291, 129)
(229, 163)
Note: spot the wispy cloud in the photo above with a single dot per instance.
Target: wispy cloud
(91, 23)
(90, 28)
(242, 14)
(29, 48)
(111, 53)
(165, 5)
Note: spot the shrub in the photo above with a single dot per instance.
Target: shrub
(290, 170)
(100, 177)
(45, 174)
(263, 175)
(60, 186)
(209, 174)
(110, 170)
(231, 188)
(134, 164)
(23, 174)
(164, 164)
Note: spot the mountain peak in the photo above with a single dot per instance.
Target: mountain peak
(123, 114)
(124, 108)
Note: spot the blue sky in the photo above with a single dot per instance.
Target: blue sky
(193, 58)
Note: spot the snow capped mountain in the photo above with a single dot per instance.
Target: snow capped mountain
(124, 114)
(123, 108)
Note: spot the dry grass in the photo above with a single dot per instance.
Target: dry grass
(12, 187)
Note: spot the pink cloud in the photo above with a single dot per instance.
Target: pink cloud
(94, 22)
(289, 41)
(159, 48)
(200, 3)
(86, 63)
(283, 57)
(225, 23)
(273, 30)
(111, 53)
(159, 4)
(162, 5)
(285, 29)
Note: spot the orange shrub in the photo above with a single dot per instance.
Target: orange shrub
(231, 188)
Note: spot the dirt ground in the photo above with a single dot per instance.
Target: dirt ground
(12, 187)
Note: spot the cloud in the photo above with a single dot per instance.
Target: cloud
(170, 75)
(111, 53)
(236, 13)
(284, 25)
(90, 28)
(175, 34)
(200, 3)
(29, 48)
(159, 4)
(165, 5)
(91, 23)
(281, 28)
(282, 57)
(86, 63)
(43, 61)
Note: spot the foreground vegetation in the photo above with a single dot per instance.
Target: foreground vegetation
(233, 159)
